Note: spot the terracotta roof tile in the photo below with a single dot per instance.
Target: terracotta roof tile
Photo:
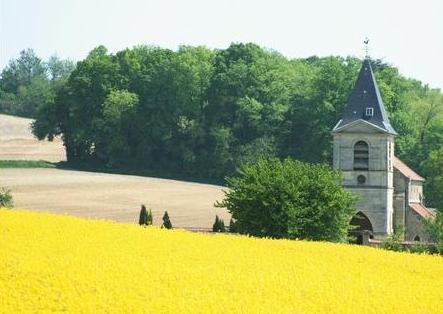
(421, 210)
(406, 171)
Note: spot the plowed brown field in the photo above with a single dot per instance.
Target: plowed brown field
(97, 195)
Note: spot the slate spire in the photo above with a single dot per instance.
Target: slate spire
(365, 103)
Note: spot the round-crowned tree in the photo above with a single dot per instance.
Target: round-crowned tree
(289, 199)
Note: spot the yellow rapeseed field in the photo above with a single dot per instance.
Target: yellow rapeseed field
(52, 263)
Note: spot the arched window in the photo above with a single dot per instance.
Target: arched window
(417, 238)
(361, 156)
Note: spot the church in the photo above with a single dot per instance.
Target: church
(390, 193)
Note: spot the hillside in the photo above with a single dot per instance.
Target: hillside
(18, 143)
(99, 266)
(97, 195)
(112, 196)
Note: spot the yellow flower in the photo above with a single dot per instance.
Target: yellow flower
(51, 263)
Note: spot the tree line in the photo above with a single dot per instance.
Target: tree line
(28, 83)
(201, 113)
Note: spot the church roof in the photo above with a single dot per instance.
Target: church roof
(421, 210)
(406, 171)
(364, 96)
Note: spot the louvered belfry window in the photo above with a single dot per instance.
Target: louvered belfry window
(361, 156)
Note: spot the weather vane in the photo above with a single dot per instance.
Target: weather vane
(366, 42)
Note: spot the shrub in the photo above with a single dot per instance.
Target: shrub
(289, 199)
(419, 248)
(6, 199)
(393, 242)
(434, 227)
(166, 221)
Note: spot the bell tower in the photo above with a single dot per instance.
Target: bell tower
(364, 152)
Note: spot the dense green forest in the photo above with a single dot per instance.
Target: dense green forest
(200, 113)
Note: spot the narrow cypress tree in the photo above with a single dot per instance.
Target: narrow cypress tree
(219, 225)
(222, 226)
(216, 225)
(150, 217)
(143, 220)
(166, 221)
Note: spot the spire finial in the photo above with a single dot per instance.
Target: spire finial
(366, 42)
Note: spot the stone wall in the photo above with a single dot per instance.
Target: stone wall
(415, 226)
(400, 200)
(376, 193)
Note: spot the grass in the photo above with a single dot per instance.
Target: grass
(26, 164)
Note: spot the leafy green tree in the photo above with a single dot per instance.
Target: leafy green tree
(49, 111)
(6, 199)
(38, 93)
(247, 98)
(8, 102)
(25, 85)
(150, 70)
(433, 167)
(289, 199)
(166, 221)
(20, 72)
(58, 69)
(114, 127)
(192, 69)
(81, 102)
(316, 108)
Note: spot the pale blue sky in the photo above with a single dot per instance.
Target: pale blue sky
(408, 34)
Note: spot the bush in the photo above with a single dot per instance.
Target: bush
(434, 227)
(289, 199)
(6, 199)
(166, 221)
(393, 242)
(419, 248)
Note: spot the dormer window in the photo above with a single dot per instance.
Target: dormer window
(369, 111)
